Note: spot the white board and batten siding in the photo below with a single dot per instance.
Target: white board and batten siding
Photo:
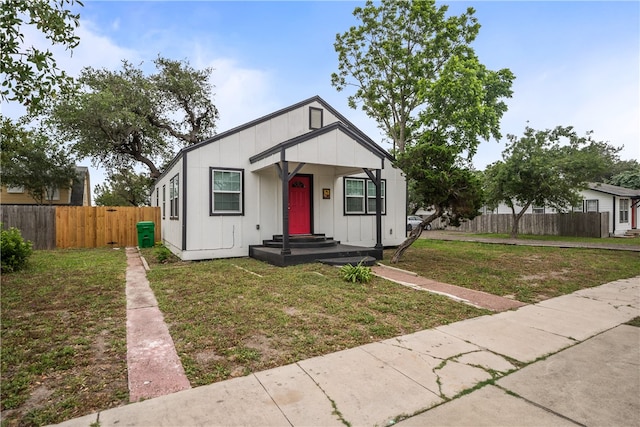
(328, 158)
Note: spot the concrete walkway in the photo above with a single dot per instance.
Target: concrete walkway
(154, 368)
(458, 293)
(564, 361)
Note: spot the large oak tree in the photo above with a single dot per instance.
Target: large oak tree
(119, 118)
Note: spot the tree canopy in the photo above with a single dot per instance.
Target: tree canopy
(124, 188)
(32, 161)
(30, 74)
(545, 168)
(440, 182)
(122, 117)
(414, 71)
(628, 179)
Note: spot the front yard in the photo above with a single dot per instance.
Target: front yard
(64, 319)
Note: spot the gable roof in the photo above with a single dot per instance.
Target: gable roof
(367, 143)
(614, 190)
(356, 133)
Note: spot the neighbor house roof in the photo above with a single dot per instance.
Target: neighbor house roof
(614, 190)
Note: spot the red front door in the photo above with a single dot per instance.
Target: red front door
(300, 205)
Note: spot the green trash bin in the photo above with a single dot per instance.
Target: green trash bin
(146, 231)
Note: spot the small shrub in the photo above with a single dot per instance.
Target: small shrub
(162, 253)
(14, 250)
(359, 273)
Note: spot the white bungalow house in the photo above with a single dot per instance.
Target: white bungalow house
(298, 185)
(621, 204)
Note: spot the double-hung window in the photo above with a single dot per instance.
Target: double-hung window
(538, 209)
(173, 197)
(591, 205)
(354, 196)
(371, 196)
(227, 197)
(164, 201)
(624, 210)
(360, 196)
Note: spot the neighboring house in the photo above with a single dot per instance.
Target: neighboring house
(77, 194)
(302, 176)
(621, 203)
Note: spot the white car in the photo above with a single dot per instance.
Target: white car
(414, 221)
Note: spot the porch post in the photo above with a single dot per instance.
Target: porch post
(378, 209)
(284, 177)
(377, 181)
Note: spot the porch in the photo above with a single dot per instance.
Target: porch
(308, 248)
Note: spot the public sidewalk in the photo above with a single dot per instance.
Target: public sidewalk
(564, 361)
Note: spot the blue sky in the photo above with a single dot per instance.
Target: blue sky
(576, 63)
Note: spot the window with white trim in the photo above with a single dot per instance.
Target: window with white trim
(591, 205)
(360, 196)
(52, 194)
(174, 191)
(578, 207)
(538, 209)
(354, 196)
(17, 189)
(227, 197)
(624, 210)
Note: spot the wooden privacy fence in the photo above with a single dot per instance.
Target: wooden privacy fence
(578, 224)
(36, 223)
(50, 227)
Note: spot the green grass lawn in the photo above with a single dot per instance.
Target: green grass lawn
(63, 319)
(586, 240)
(231, 317)
(526, 273)
(63, 348)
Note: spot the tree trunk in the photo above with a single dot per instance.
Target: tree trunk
(516, 219)
(413, 236)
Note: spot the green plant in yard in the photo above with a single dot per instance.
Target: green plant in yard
(162, 253)
(14, 251)
(359, 273)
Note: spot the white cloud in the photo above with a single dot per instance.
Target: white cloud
(241, 94)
